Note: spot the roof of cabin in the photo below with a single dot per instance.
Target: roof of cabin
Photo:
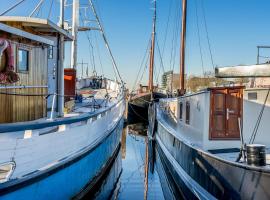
(21, 33)
(39, 25)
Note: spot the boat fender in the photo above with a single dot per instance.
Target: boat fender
(7, 75)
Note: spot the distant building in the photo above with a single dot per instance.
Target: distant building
(261, 82)
(170, 81)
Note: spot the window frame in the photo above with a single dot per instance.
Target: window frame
(50, 50)
(18, 61)
(181, 111)
(187, 112)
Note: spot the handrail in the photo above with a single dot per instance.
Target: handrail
(23, 86)
(32, 125)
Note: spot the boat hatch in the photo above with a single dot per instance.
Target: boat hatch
(6, 170)
(226, 108)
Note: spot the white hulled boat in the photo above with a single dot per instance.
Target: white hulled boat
(45, 154)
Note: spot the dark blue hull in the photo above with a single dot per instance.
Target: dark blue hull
(200, 175)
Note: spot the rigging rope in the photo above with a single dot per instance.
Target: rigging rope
(156, 76)
(255, 130)
(38, 6)
(91, 48)
(11, 8)
(199, 38)
(146, 66)
(106, 42)
(166, 29)
(207, 36)
(142, 64)
(161, 61)
(50, 11)
(175, 35)
(99, 57)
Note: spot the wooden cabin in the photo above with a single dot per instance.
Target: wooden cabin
(34, 53)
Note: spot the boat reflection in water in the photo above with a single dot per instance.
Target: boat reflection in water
(109, 184)
(131, 175)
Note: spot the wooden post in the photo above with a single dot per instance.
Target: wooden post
(183, 46)
(152, 53)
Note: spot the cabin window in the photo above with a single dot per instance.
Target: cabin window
(50, 52)
(252, 96)
(181, 111)
(23, 60)
(187, 112)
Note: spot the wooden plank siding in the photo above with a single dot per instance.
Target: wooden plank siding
(25, 108)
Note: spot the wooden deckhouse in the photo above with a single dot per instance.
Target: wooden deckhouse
(34, 45)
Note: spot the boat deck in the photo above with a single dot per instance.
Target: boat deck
(232, 155)
(94, 100)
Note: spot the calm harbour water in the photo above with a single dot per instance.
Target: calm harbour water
(128, 177)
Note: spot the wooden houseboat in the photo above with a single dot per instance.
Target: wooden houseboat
(42, 148)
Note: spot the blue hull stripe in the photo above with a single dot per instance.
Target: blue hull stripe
(67, 179)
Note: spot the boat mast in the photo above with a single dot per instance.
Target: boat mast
(60, 71)
(75, 24)
(152, 52)
(182, 50)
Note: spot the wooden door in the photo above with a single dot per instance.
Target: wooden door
(233, 112)
(226, 108)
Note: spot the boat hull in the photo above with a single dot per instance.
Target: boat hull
(201, 175)
(67, 180)
(138, 107)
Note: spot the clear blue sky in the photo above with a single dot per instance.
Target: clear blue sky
(235, 28)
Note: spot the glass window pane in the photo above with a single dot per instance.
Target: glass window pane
(23, 60)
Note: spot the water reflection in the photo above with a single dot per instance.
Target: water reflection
(133, 175)
(134, 179)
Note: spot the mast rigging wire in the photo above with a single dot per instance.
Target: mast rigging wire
(50, 10)
(199, 38)
(207, 36)
(106, 42)
(166, 29)
(11, 7)
(146, 66)
(255, 130)
(36, 8)
(156, 76)
(91, 47)
(161, 60)
(142, 64)
(98, 52)
(175, 36)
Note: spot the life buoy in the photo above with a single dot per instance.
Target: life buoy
(7, 75)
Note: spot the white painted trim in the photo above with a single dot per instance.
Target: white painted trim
(36, 22)
(196, 189)
(15, 31)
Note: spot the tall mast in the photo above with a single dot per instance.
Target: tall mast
(152, 51)
(183, 46)
(75, 24)
(60, 70)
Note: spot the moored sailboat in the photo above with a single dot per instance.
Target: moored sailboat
(139, 103)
